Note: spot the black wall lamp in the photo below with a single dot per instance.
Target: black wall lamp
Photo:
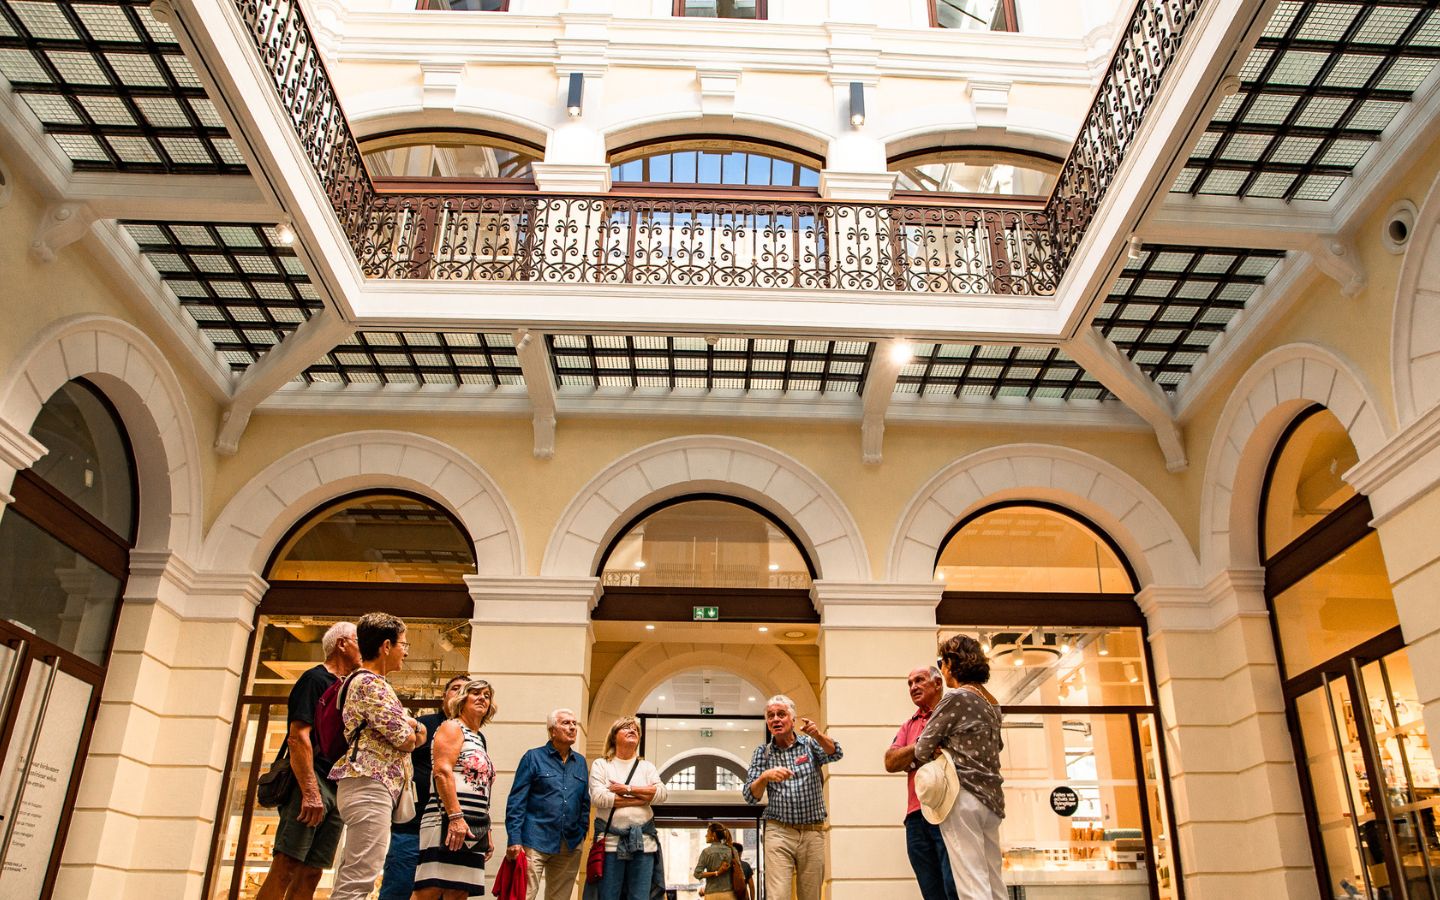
(857, 104)
(575, 97)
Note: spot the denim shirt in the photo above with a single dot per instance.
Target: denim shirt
(549, 804)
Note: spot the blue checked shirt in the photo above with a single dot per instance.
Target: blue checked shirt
(798, 801)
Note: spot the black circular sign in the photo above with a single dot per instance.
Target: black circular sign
(1064, 801)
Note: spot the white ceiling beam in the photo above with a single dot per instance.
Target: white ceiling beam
(286, 360)
(1202, 222)
(535, 365)
(1121, 377)
(174, 198)
(885, 364)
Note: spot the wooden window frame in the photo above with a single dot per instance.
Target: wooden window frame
(762, 12)
(1011, 23)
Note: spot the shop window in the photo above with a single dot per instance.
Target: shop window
(720, 9)
(975, 171)
(1030, 549)
(1367, 771)
(449, 154)
(376, 538)
(707, 543)
(65, 542)
(974, 15)
(717, 162)
(1051, 601)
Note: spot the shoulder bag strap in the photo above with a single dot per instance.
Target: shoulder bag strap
(612, 809)
(354, 736)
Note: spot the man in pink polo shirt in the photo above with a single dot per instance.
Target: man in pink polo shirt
(922, 840)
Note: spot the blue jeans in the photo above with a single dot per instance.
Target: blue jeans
(928, 858)
(400, 862)
(627, 879)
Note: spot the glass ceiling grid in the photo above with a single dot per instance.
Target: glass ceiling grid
(112, 87)
(1169, 306)
(244, 290)
(1318, 90)
(746, 364)
(963, 370)
(450, 359)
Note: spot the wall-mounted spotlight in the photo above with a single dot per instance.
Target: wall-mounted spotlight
(1104, 646)
(284, 233)
(902, 352)
(985, 642)
(575, 97)
(857, 104)
(1134, 248)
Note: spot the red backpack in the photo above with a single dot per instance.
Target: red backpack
(330, 721)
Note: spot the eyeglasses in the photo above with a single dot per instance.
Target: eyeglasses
(405, 644)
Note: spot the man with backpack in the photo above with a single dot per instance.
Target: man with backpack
(310, 825)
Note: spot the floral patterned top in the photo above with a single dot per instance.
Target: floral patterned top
(370, 699)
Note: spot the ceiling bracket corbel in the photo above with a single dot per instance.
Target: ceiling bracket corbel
(885, 365)
(61, 225)
(316, 336)
(1097, 355)
(1339, 259)
(535, 365)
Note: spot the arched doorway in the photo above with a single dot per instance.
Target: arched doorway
(1051, 600)
(1367, 772)
(391, 551)
(65, 542)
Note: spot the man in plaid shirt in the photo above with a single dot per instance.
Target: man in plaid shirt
(789, 767)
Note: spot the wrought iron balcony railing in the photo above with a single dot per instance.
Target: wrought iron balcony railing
(942, 247)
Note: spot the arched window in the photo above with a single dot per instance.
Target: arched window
(975, 171)
(390, 551)
(1350, 696)
(1050, 599)
(974, 15)
(706, 543)
(718, 162)
(1030, 549)
(65, 543)
(469, 155)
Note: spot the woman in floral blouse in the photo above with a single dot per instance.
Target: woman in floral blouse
(455, 839)
(372, 772)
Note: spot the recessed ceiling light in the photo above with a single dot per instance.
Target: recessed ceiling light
(661, 697)
(639, 563)
(763, 628)
(774, 567)
(751, 699)
(794, 634)
(684, 724)
(649, 627)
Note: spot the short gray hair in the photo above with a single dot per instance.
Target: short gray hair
(935, 674)
(337, 632)
(782, 700)
(554, 718)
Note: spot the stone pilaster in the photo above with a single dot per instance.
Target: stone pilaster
(871, 636)
(18, 450)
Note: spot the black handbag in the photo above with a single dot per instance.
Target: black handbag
(273, 788)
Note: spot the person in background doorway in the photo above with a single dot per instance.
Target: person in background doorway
(717, 864)
(789, 768)
(628, 784)
(923, 841)
(548, 810)
(380, 734)
(745, 868)
(966, 722)
(398, 882)
(310, 824)
(455, 835)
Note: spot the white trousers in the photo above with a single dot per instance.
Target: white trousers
(972, 841)
(367, 807)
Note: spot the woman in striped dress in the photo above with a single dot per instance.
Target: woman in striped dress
(455, 840)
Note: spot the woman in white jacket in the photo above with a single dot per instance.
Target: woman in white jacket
(623, 787)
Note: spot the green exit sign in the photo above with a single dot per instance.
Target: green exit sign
(705, 613)
(707, 709)
(707, 732)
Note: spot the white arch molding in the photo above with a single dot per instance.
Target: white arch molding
(133, 374)
(1268, 396)
(270, 503)
(1114, 501)
(707, 464)
(1415, 335)
(647, 666)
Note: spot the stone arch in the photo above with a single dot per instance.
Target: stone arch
(648, 665)
(715, 464)
(1052, 145)
(270, 503)
(1415, 331)
(133, 373)
(375, 121)
(1275, 389)
(658, 125)
(1114, 501)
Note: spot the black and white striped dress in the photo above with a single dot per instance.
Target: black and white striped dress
(462, 869)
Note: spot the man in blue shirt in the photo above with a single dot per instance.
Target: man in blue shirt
(788, 768)
(548, 810)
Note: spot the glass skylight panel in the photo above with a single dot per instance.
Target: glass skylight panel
(729, 363)
(960, 370)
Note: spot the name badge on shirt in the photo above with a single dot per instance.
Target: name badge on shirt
(802, 759)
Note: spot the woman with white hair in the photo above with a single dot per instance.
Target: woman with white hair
(455, 835)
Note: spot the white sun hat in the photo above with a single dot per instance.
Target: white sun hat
(937, 784)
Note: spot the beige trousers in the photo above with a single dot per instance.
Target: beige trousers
(366, 806)
(559, 870)
(793, 855)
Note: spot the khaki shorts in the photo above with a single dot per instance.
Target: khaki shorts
(314, 847)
